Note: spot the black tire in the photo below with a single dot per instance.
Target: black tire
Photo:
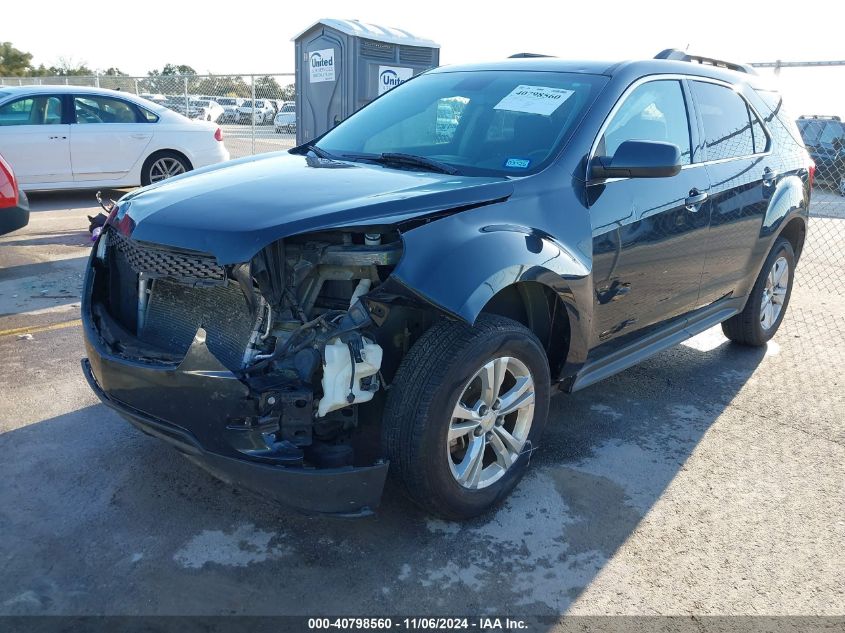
(428, 383)
(746, 327)
(146, 169)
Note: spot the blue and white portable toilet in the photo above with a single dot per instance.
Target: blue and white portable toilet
(342, 65)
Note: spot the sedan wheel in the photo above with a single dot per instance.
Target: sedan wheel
(163, 165)
(166, 168)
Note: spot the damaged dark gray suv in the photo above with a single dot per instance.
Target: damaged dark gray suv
(405, 293)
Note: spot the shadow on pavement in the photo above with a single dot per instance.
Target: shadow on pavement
(98, 518)
(70, 199)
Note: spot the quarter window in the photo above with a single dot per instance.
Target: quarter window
(726, 119)
(96, 109)
(654, 111)
(41, 110)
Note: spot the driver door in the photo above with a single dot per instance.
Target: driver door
(649, 234)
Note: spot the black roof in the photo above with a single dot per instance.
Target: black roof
(633, 69)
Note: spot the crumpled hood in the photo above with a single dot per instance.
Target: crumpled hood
(235, 209)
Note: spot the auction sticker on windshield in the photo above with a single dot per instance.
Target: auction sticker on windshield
(534, 99)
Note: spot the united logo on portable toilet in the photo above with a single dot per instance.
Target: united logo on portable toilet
(391, 76)
(321, 65)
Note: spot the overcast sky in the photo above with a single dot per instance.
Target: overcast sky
(243, 37)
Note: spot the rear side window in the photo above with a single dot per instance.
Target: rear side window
(96, 109)
(654, 111)
(726, 119)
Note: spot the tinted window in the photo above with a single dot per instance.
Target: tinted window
(96, 109)
(41, 110)
(727, 124)
(654, 111)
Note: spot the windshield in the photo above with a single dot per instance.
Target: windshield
(482, 123)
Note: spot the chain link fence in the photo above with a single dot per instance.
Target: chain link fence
(245, 106)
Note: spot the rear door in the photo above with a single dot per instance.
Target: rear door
(743, 172)
(34, 139)
(649, 234)
(108, 137)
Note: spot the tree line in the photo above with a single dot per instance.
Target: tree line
(171, 79)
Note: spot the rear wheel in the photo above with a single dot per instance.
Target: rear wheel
(466, 409)
(163, 165)
(769, 297)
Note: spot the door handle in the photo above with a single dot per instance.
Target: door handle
(141, 136)
(53, 138)
(769, 177)
(696, 197)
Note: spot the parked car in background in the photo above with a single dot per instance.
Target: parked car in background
(155, 98)
(301, 322)
(824, 137)
(262, 112)
(230, 107)
(285, 120)
(14, 207)
(60, 137)
(205, 110)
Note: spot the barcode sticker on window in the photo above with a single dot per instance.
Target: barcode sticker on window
(534, 99)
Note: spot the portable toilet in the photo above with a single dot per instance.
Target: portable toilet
(342, 65)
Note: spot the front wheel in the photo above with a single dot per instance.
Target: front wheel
(766, 306)
(465, 410)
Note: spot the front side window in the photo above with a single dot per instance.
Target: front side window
(654, 111)
(96, 109)
(40, 110)
(726, 119)
(506, 123)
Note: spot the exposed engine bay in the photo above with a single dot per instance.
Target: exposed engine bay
(289, 324)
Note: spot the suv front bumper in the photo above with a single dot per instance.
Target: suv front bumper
(192, 407)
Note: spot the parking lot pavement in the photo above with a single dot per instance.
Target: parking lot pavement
(238, 139)
(707, 480)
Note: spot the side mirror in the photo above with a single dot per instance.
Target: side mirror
(639, 159)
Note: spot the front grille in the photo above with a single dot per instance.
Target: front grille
(175, 311)
(186, 292)
(161, 262)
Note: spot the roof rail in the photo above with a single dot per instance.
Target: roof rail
(832, 117)
(678, 55)
(521, 55)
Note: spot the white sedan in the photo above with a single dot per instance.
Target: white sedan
(64, 137)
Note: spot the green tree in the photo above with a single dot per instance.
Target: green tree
(267, 88)
(288, 92)
(14, 62)
(114, 72)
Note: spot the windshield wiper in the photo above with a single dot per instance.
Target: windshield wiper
(410, 160)
(321, 153)
(413, 160)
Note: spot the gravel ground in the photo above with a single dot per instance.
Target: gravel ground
(706, 481)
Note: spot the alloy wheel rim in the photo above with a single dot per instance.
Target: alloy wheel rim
(165, 168)
(490, 422)
(774, 293)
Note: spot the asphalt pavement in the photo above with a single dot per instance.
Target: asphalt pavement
(707, 481)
